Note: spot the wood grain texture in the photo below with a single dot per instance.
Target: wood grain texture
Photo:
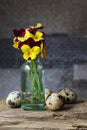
(71, 117)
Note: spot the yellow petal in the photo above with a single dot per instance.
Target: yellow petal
(38, 36)
(15, 41)
(32, 26)
(33, 56)
(15, 45)
(26, 56)
(36, 50)
(38, 25)
(29, 54)
(25, 48)
(43, 51)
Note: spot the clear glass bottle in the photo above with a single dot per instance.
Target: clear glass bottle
(32, 85)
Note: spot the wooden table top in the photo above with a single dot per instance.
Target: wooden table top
(71, 117)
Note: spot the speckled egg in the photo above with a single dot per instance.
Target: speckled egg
(69, 95)
(47, 93)
(54, 102)
(13, 99)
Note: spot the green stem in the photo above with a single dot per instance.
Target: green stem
(36, 83)
(32, 91)
(39, 87)
(27, 83)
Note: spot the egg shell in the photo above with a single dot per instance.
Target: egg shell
(69, 95)
(54, 102)
(47, 93)
(13, 99)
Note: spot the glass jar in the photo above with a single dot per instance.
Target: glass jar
(32, 85)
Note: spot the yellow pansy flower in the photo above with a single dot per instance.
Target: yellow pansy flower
(30, 52)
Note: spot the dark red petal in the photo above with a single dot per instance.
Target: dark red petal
(15, 31)
(30, 42)
(22, 30)
(18, 32)
(20, 44)
(30, 30)
(23, 33)
(16, 40)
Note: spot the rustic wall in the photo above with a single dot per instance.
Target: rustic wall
(61, 17)
(58, 16)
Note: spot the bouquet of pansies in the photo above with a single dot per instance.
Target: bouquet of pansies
(30, 41)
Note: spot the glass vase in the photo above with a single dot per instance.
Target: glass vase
(32, 85)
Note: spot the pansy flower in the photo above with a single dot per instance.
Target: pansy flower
(30, 53)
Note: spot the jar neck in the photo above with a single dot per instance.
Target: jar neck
(33, 64)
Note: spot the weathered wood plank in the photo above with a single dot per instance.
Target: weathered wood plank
(71, 117)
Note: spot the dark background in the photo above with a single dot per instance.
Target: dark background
(65, 25)
(58, 16)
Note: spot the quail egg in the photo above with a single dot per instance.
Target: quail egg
(54, 102)
(13, 99)
(47, 93)
(69, 95)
